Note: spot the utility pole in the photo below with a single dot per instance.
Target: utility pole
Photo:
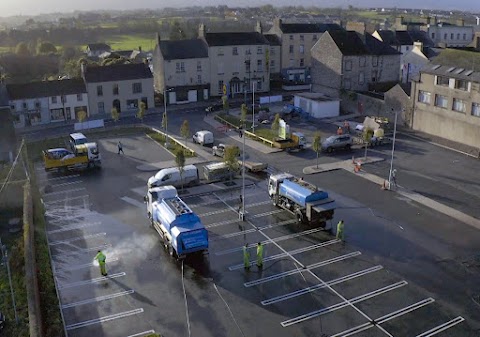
(393, 151)
(253, 106)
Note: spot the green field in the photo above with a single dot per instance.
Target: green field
(129, 42)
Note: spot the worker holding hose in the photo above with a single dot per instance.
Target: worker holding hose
(260, 255)
(246, 257)
(101, 258)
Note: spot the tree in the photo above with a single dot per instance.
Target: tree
(367, 136)
(226, 105)
(68, 52)
(276, 124)
(185, 130)
(180, 161)
(81, 116)
(230, 158)
(177, 32)
(243, 114)
(46, 48)
(115, 114)
(22, 49)
(317, 144)
(141, 111)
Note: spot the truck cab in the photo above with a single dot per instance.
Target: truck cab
(275, 180)
(156, 194)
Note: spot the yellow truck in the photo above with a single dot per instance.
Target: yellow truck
(84, 156)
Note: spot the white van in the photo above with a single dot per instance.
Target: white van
(203, 137)
(171, 176)
(77, 139)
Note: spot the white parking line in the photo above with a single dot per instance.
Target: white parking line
(267, 213)
(266, 242)
(81, 266)
(133, 202)
(60, 178)
(98, 299)
(54, 243)
(290, 253)
(48, 203)
(73, 227)
(91, 281)
(222, 223)
(296, 271)
(73, 190)
(442, 327)
(67, 183)
(149, 332)
(231, 235)
(230, 208)
(104, 319)
(343, 304)
(321, 286)
(84, 250)
(212, 202)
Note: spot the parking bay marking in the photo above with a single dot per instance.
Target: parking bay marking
(104, 319)
(54, 243)
(48, 203)
(247, 231)
(296, 271)
(290, 253)
(73, 227)
(85, 250)
(442, 327)
(343, 304)
(266, 242)
(149, 332)
(320, 286)
(98, 299)
(86, 282)
(67, 183)
(133, 202)
(385, 318)
(229, 209)
(60, 178)
(80, 266)
(73, 190)
(227, 222)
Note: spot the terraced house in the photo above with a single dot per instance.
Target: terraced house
(446, 103)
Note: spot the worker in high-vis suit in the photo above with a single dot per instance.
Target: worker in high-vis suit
(260, 255)
(101, 258)
(340, 230)
(246, 257)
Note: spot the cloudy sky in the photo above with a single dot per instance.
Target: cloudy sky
(29, 7)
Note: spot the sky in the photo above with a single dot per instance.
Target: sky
(32, 7)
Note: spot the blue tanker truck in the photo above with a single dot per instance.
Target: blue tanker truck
(180, 229)
(309, 204)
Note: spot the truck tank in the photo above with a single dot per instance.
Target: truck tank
(301, 194)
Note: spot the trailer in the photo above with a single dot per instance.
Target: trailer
(309, 204)
(296, 141)
(179, 228)
(254, 167)
(84, 156)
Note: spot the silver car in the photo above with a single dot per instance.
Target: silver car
(337, 142)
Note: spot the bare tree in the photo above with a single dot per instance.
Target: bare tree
(180, 161)
(317, 145)
(185, 130)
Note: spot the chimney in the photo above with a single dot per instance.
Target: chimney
(157, 36)
(427, 20)
(201, 31)
(277, 22)
(140, 48)
(83, 69)
(258, 27)
(418, 45)
(461, 22)
(478, 21)
(435, 20)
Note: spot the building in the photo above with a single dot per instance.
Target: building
(275, 60)
(7, 131)
(46, 102)
(412, 61)
(350, 61)
(297, 39)
(121, 86)
(183, 68)
(317, 105)
(97, 49)
(444, 34)
(238, 62)
(446, 103)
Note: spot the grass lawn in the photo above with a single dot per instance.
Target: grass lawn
(174, 147)
(232, 119)
(4, 49)
(265, 133)
(132, 41)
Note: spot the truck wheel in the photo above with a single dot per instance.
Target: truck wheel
(329, 150)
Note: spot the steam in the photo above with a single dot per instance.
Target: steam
(136, 247)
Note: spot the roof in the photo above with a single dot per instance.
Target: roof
(349, 42)
(273, 39)
(98, 46)
(421, 36)
(117, 72)
(458, 58)
(235, 39)
(46, 89)
(397, 38)
(297, 28)
(377, 47)
(184, 49)
(451, 71)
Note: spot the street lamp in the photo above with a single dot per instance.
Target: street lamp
(165, 114)
(253, 106)
(242, 214)
(393, 150)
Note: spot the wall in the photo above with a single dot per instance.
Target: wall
(308, 43)
(71, 102)
(326, 67)
(158, 69)
(318, 109)
(276, 56)
(19, 111)
(190, 75)
(455, 42)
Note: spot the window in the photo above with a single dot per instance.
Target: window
(442, 80)
(441, 101)
(68, 113)
(476, 109)
(314, 38)
(302, 62)
(220, 70)
(115, 89)
(464, 36)
(347, 84)
(54, 99)
(272, 64)
(259, 50)
(137, 87)
(180, 67)
(199, 79)
(247, 66)
(424, 97)
(25, 105)
(272, 51)
(220, 87)
(248, 52)
(12, 107)
(445, 36)
(291, 62)
(63, 98)
(302, 38)
(132, 104)
(302, 49)
(220, 52)
(374, 76)
(199, 65)
(461, 85)
(451, 36)
(234, 51)
(259, 85)
(361, 77)
(259, 65)
(362, 61)
(37, 105)
(101, 107)
(433, 36)
(374, 61)
(348, 65)
(99, 90)
(290, 49)
(407, 48)
(458, 36)
(459, 105)
(79, 97)
(56, 115)
(291, 37)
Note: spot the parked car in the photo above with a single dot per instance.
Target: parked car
(214, 107)
(203, 137)
(337, 142)
(219, 150)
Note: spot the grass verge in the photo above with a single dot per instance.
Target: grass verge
(174, 147)
(259, 130)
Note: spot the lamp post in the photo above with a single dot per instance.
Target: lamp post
(242, 214)
(393, 150)
(253, 106)
(165, 114)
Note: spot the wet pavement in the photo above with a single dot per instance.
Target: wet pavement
(310, 285)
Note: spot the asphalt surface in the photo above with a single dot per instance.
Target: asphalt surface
(397, 255)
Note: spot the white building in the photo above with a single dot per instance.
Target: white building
(317, 105)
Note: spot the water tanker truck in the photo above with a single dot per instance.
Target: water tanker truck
(309, 204)
(179, 227)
